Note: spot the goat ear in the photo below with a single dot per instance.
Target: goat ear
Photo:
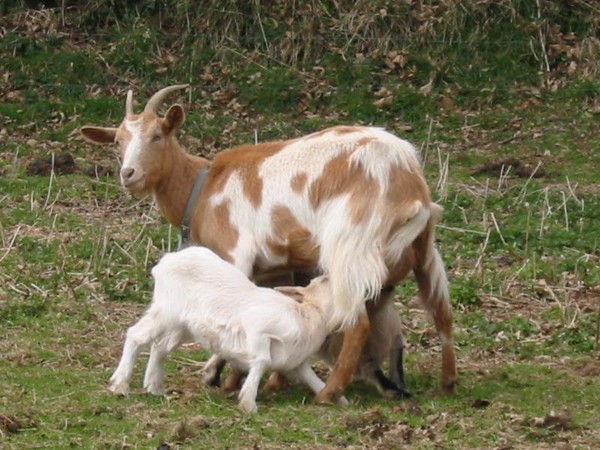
(99, 135)
(296, 293)
(174, 118)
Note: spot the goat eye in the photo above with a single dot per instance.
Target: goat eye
(156, 137)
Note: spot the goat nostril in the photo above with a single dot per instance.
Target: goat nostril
(126, 174)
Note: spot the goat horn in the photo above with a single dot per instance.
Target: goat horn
(157, 99)
(129, 103)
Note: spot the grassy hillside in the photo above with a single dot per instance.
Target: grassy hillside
(502, 98)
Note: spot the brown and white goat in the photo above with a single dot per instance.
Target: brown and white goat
(351, 202)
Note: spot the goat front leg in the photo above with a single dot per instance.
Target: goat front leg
(347, 361)
(260, 348)
(247, 396)
(138, 337)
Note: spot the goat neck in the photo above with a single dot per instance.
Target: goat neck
(172, 193)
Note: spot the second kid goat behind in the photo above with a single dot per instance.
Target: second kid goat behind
(198, 297)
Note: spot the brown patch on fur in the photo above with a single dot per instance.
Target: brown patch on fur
(283, 220)
(303, 252)
(402, 269)
(340, 177)
(364, 141)
(173, 179)
(343, 129)
(405, 187)
(405, 191)
(331, 183)
(217, 232)
(245, 160)
(292, 239)
(298, 182)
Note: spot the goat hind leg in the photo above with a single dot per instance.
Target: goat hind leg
(347, 361)
(211, 374)
(155, 373)
(433, 290)
(233, 380)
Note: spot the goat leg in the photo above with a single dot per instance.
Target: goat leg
(233, 380)
(211, 372)
(275, 382)
(347, 361)
(433, 290)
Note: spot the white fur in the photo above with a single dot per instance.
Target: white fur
(376, 158)
(200, 297)
(131, 158)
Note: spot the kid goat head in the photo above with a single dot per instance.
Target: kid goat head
(146, 141)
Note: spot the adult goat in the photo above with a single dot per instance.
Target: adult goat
(350, 201)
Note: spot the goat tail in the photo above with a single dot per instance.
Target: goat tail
(356, 260)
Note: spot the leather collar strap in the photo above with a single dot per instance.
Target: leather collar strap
(184, 229)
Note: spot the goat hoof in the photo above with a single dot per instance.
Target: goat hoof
(402, 394)
(155, 390)
(248, 407)
(325, 398)
(120, 389)
(448, 387)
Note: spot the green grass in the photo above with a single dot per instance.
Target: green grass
(522, 254)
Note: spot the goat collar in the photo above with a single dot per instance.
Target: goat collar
(184, 229)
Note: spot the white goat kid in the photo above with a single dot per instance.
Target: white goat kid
(200, 297)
